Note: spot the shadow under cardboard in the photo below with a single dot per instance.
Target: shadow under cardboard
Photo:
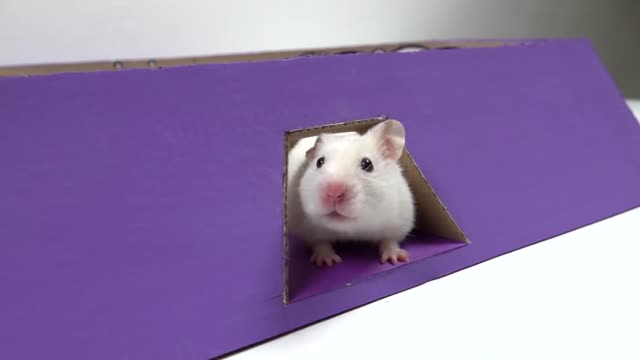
(360, 261)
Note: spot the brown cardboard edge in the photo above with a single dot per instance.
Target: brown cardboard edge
(285, 233)
(459, 233)
(413, 172)
(42, 69)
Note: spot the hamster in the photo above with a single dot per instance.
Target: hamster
(350, 187)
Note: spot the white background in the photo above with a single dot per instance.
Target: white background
(573, 297)
(43, 31)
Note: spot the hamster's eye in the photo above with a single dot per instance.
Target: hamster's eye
(320, 162)
(366, 165)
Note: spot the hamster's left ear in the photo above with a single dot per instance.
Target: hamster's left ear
(389, 137)
(312, 152)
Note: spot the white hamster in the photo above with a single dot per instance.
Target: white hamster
(350, 187)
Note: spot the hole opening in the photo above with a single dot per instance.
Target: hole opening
(435, 231)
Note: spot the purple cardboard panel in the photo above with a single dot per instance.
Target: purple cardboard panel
(141, 211)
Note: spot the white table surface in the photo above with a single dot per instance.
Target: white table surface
(576, 296)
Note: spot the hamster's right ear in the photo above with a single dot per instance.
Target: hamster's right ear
(311, 153)
(389, 136)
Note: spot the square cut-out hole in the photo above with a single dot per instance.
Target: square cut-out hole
(435, 231)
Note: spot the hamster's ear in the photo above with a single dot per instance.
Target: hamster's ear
(311, 153)
(389, 137)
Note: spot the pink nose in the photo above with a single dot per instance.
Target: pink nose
(336, 190)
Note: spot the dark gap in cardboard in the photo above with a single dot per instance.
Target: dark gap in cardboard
(432, 217)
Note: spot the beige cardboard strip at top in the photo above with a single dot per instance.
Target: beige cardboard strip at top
(169, 62)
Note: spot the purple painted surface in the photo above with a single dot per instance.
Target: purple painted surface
(359, 263)
(140, 211)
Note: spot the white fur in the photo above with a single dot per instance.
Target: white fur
(382, 208)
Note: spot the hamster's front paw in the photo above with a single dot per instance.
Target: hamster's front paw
(323, 253)
(391, 251)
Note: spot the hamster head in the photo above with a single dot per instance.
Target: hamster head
(351, 181)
